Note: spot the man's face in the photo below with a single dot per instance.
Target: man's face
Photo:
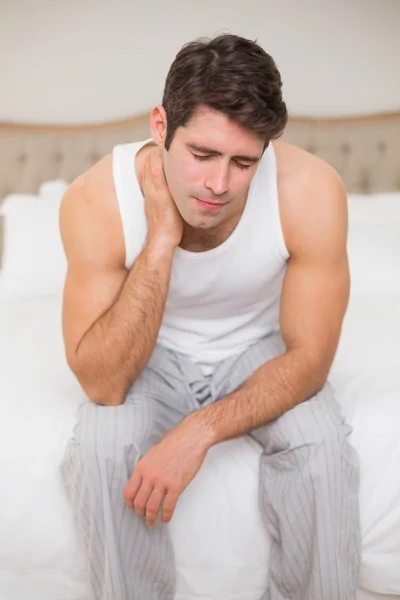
(209, 167)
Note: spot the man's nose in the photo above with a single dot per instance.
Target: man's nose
(218, 180)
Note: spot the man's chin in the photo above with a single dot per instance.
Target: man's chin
(202, 223)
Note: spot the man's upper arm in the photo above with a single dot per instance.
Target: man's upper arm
(92, 237)
(316, 288)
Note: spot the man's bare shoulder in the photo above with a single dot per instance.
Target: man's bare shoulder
(299, 169)
(90, 221)
(94, 190)
(312, 194)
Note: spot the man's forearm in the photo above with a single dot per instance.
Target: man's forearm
(114, 351)
(276, 387)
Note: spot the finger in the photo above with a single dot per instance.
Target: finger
(146, 170)
(142, 497)
(132, 488)
(169, 506)
(153, 506)
(152, 172)
(157, 169)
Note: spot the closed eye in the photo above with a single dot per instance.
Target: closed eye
(237, 164)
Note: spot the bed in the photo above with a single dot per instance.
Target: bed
(220, 543)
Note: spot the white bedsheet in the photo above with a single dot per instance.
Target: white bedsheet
(220, 544)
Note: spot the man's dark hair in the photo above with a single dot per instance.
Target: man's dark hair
(230, 74)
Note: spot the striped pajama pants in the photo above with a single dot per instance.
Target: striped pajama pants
(309, 481)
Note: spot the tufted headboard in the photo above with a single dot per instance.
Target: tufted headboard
(365, 150)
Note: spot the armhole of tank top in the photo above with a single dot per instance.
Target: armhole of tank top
(281, 248)
(126, 207)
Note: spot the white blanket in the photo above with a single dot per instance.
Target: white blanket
(220, 543)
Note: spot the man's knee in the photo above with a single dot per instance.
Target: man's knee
(109, 435)
(314, 422)
(311, 439)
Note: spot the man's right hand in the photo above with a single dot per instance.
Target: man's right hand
(165, 224)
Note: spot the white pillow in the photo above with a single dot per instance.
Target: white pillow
(33, 261)
(374, 258)
(374, 208)
(374, 243)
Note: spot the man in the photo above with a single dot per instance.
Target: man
(207, 283)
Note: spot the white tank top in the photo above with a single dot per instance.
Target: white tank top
(222, 300)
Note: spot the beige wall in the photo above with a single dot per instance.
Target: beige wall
(92, 60)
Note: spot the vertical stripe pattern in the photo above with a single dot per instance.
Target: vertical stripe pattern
(309, 478)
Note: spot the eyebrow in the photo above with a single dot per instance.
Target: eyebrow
(205, 150)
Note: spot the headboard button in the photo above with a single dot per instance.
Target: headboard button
(345, 148)
(365, 182)
(382, 148)
(22, 158)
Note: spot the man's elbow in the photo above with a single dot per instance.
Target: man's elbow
(318, 366)
(98, 396)
(94, 388)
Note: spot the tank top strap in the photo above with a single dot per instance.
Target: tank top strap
(130, 198)
(268, 201)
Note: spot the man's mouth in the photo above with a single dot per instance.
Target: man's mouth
(209, 205)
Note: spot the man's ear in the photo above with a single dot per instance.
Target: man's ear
(158, 125)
